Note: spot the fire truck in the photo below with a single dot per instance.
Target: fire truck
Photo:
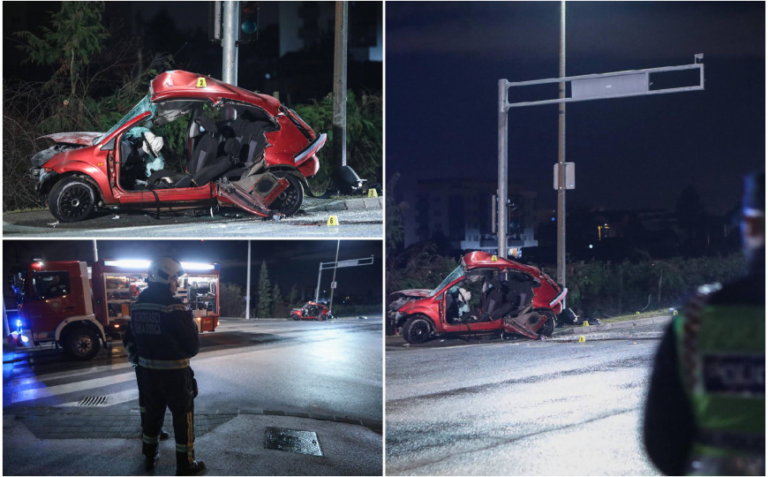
(81, 308)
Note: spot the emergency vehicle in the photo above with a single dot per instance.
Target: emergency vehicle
(81, 308)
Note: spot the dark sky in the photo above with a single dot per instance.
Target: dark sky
(288, 261)
(444, 60)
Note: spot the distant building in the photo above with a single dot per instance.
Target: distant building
(459, 211)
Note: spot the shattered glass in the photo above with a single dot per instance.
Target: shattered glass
(143, 106)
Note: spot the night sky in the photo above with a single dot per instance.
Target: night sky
(288, 261)
(444, 60)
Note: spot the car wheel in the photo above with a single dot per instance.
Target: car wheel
(289, 201)
(549, 326)
(82, 343)
(72, 200)
(417, 330)
(295, 318)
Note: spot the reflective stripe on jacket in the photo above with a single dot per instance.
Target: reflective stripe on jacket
(722, 361)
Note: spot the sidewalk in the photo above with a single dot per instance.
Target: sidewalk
(50, 442)
(358, 203)
(581, 330)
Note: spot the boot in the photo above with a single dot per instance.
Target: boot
(151, 455)
(184, 467)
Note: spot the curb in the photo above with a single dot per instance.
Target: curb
(580, 330)
(365, 203)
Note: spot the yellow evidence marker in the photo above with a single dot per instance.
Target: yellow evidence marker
(494, 258)
(372, 193)
(585, 323)
(582, 339)
(201, 83)
(333, 220)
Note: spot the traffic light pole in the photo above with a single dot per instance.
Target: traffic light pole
(561, 160)
(340, 85)
(230, 14)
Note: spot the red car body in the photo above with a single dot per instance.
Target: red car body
(311, 311)
(94, 158)
(427, 309)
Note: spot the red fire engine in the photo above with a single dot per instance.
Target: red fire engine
(80, 308)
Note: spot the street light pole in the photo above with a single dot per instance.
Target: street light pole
(340, 85)
(248, 286)
(561, 159)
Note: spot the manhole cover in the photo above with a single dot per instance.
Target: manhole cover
(300, 442)
(93, 401)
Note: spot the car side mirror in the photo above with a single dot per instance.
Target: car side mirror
(110, 145)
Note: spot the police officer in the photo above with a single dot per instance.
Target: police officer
(166, 338)
(705, 413)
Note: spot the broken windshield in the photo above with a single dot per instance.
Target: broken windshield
(143, 106)
(456, 274)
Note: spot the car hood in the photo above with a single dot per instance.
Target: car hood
(414, 292)
(79, 138)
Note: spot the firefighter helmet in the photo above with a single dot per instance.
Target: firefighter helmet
(163, 269)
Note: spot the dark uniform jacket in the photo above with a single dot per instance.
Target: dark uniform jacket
(162, 328)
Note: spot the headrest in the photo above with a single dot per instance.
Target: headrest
(207, 124)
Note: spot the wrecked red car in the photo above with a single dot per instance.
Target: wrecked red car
(484, 295)
(193, 141)
(311, 311)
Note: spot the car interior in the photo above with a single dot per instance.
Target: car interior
(199, 144)
(492, 295)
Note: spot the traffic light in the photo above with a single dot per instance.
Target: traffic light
(249, 22)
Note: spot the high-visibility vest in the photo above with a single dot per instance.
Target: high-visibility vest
(722, 362)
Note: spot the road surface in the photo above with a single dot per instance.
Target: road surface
(519, 407)
(229, 222)
(324, 377)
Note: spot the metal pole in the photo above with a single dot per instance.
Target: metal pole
(501, 204)
(317, 290)
(230, 12)
(561, 159)
(248, 286)
(340, 86)
(333, 281)
(95, 252)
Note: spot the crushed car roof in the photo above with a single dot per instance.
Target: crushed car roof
(183, 84)
(484, 259)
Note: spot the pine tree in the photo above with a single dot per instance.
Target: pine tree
(277, 302)
(293, 296)
(264, 293)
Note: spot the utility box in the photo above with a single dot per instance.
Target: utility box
(570, 175)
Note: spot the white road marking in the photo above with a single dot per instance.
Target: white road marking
(42, 393)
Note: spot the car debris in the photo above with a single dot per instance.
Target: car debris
(485, 295)
(239, 148)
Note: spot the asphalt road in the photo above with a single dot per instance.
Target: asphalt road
(324, 377)
(519, 407)
(229, 222)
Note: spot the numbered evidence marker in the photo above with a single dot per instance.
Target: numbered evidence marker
(582, 339)
(201, 83)
(333, 220)
(372, 193)
(494, 258)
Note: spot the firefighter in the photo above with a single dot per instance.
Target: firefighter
(705, 413)
(166, 338)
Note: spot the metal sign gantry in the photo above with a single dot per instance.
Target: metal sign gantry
(355, 262)
(620, 84)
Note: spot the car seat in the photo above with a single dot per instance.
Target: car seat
(220, 165)
(205, 150)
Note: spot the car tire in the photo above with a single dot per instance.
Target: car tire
(289, 201)
(416, 330)
(295, 318)
(72, 200)
(549, 326)
(82, 343)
